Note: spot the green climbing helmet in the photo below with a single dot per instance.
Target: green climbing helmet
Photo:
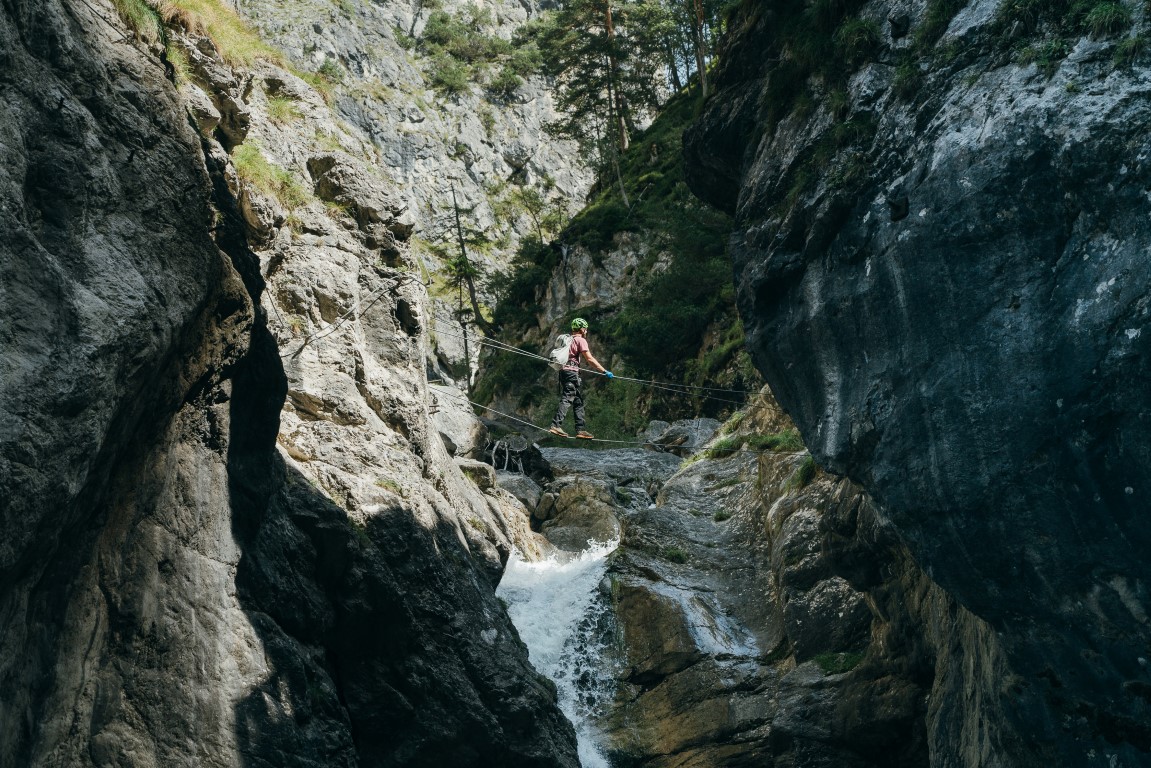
(579, 324)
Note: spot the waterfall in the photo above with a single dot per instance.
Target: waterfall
(559, 612)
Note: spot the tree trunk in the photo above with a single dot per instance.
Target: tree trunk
(700, 47)
(614, 93)
(673, 67)
(466, 275)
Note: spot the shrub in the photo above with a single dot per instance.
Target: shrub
(505, 83)
(254, 168)
(525, 60)
(331, 71)
(936, 20)
(1128, 50)
(838, 663)
(674, 554)
(722, 514)
(237, 43)
(856, 40)
(141, 18)
(449, 75)
(404, 40)
(1107, 18)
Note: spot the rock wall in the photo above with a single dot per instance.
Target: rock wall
(471, 147)
(175, 590)
(962, 331)
(761, 612)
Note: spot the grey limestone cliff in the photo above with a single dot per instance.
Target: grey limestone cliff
(961, 326)
(175, 589)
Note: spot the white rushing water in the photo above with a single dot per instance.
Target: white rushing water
(555, 605)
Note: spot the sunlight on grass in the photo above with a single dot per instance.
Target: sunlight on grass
(237, 43)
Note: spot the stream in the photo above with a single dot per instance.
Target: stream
(557, 607)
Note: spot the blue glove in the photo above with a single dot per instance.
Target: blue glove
(608, 374)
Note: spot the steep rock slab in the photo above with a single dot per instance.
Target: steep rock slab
(173, 592)
(122, 318)
(965, 334)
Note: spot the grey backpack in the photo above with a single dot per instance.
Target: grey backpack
(558, 357)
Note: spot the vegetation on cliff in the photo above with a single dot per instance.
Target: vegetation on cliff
(677, 321)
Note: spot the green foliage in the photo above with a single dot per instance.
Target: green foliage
(510, 372)
(682, 292)
(838, 663)
(803, 475)
(723, 447)
(722, 514)
(787, 441)
(857, 40)
(935, 21)
(908, 78)
(1106, 19)
(181, 69)
(283, 110)
(1129, 50)
(331, 71)
(605, 76)
(505, 83)
(448, 75)
(1045, 54)
(142, 19)
(236, 42)
(404, 40)
(674, 554)
(254, 168)
(1062, 18)
(461, 53)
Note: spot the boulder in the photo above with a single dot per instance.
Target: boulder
(522, 487)
(461, 431)
(580, 510)
(478, 472)
(682, 438)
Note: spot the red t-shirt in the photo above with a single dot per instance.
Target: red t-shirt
(576, 351)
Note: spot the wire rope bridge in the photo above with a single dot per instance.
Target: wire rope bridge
(683, 389)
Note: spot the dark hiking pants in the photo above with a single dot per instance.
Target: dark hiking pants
(571, 394)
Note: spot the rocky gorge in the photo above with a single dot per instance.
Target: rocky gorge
(176, 590)
(952, 304)
(251, 520)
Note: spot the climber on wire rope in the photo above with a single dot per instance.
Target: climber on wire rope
(571, 387)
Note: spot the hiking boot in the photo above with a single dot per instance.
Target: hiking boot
(585, 434)
(558, 431)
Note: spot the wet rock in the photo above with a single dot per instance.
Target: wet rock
(579, 510)
(830, 617)
(998, 412)
(623, 465)
(683, 437)
(523, 488)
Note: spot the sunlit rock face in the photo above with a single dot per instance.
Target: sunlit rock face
(963, 329)
(175, 590)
